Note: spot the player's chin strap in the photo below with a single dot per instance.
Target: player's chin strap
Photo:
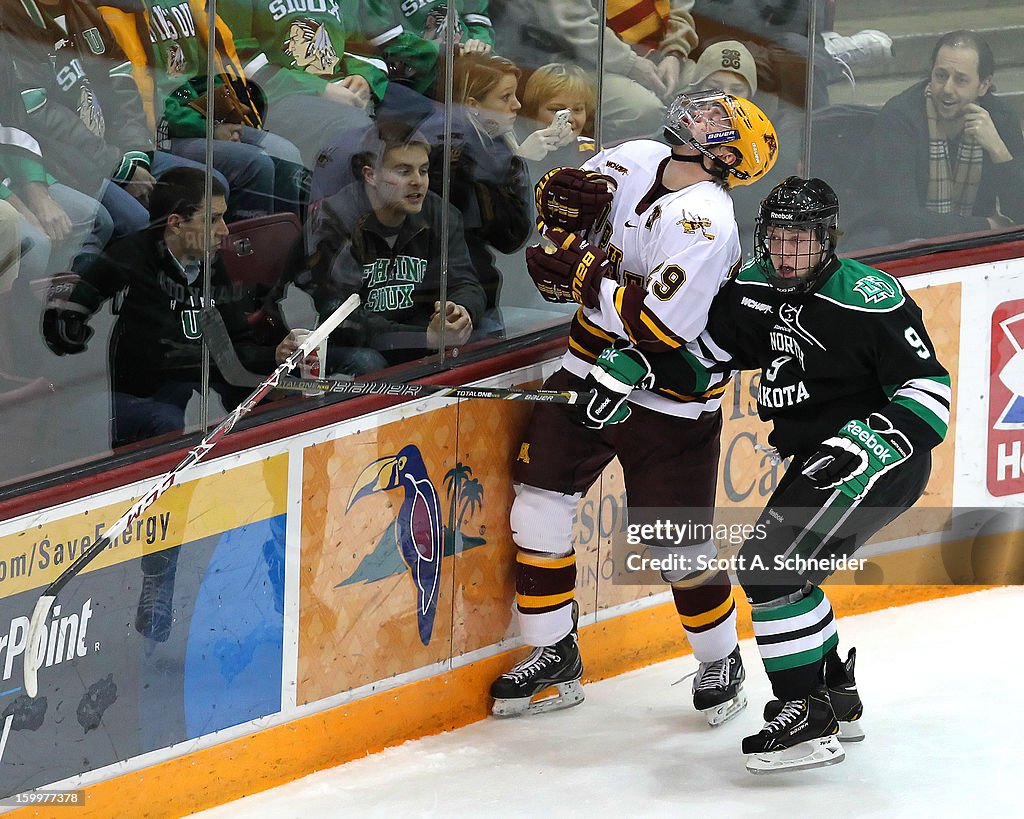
(718, 167)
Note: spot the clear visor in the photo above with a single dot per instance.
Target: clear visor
(703, 117)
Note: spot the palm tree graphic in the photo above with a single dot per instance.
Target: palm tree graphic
(465, 494)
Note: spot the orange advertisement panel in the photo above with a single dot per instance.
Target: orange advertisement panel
(405, 545)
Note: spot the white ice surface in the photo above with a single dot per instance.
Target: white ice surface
(945, 737)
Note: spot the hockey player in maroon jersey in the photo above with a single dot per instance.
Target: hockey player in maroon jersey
(644, 236)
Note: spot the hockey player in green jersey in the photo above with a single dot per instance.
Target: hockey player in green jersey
(857, 399)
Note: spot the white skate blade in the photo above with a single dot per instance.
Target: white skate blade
(851, 731)
(727, 710)
(816, 753)
(568, 694)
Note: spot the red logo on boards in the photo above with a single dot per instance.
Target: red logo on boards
(1006, 401)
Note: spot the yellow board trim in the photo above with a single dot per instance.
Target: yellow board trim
(187, 512)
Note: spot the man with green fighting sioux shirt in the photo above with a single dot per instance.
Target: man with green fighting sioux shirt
(857, 398)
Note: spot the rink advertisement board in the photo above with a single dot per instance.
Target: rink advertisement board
(408, 555)
(1005, 474)
(174, 632)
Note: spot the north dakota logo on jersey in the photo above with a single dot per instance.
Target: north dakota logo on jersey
(874, 289)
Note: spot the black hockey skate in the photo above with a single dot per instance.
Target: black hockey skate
(842, 691)
(155, 614)
(718, 688)
(805, 734)
(558, 666)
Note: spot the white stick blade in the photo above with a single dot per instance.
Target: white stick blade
(33, 653)
(347, 308)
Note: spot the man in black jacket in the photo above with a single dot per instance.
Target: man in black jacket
(381, 237)
(948, 153)
(156, 346)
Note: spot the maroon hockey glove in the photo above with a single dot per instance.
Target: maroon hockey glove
(570, 271)
(572, 199)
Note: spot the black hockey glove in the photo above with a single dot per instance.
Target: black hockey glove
(857, 456)
(572, 270)
(65, 327)
(572, 199)
(618, 371)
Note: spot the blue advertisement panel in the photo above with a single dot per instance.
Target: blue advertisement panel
(168, 639)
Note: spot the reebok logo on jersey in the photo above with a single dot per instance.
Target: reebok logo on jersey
(760, 307)
(879, 448)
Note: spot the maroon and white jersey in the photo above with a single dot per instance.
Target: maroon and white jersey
(672, 251)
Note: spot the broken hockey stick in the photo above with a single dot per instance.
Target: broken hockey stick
(34, 650)
(235, 373)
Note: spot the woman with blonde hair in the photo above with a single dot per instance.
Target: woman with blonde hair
(489, 181)
(556, 87)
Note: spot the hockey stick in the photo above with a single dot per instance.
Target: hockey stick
(235, 373)
(34, 650)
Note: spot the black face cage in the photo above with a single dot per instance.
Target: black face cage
(823, 232)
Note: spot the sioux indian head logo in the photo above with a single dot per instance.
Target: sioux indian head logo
(177, 64)
(310, 47)
(436, 26)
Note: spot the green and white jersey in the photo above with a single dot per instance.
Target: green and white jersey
(417, 33)
(856, 345)
(299, 46)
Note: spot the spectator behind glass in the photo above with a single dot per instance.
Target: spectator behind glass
(560, 86)
(296, 53)
(165, 40)
(83, 106)
(948, 153)
(489, 183)
(726, 66)
(660, 31)
(776, 33)
(419, 36)
(156, 344)
(381, 237)
(536, 32)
